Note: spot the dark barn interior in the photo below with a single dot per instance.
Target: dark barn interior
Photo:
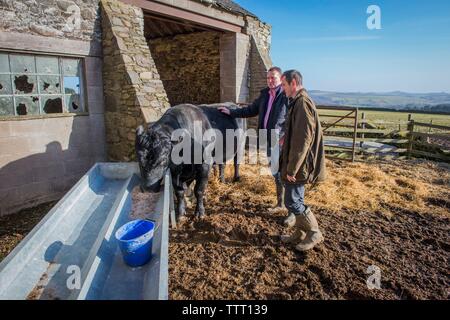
(187, 57)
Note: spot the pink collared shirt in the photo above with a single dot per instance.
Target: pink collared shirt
(272, 93)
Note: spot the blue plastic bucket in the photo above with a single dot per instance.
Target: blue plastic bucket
(135, 241)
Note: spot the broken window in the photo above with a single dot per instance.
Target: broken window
(22, 63)
(32, 85)
(24, 84)
(5, 84)
(4, 63)
(27, 105)
(71, 67)
(71, 85)
(6, 106)
(73, 102)
(49, 84)
(47, 65)
(52, 104)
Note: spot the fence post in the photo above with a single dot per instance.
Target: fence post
(363, 126)
(410, 137)
(431, 122)
(355, 134)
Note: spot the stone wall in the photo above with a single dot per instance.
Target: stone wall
(68, 19)
(189, 66)
(260, 60)
(134, 93)
(261, 32)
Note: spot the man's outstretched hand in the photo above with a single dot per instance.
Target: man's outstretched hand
(224, 110)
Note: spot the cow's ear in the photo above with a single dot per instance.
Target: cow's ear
(139, 131)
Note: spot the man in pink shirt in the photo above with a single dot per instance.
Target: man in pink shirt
(271, 108)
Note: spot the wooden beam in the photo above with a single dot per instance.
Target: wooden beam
(333, 116)
(431, 135)
(434, 126)
(431, 155)
(32, 43)
(178, 22)
(176, 13)
(340, 118)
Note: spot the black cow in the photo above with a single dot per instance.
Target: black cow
(154, 147)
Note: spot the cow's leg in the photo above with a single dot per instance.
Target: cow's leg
(222, 173)
(201, 180)
(181, 204)
(189, 194)
(236, 169)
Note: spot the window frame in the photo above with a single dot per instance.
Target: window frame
(62, 94)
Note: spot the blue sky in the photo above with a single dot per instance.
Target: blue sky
(329, 43)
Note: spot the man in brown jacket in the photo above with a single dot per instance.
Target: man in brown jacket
(302, 161)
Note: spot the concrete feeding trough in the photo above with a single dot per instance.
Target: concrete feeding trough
(73, 254)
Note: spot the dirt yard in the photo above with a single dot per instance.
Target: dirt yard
(13, 228)
(392, 216)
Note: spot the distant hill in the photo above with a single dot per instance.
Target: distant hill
(431, 102)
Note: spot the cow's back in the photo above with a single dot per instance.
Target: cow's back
(185, 116)
(223, 122)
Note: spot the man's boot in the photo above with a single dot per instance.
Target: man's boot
(297, 236)
(290, 220)
(308, 223)
(280, 198)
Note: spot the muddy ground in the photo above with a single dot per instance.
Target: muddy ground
(235, 252)
(14, 227)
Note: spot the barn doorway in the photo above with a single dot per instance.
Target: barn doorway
(187, 57)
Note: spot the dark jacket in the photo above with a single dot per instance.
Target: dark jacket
(258, 108)
(303, 153)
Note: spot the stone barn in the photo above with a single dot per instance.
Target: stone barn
(78, 76)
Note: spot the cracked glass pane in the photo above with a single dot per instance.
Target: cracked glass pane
(4, 62)
(71, 67)
(6, 106)
(47, 65)
(5, 84)
(22, 63)
(24, 84)
(28, 105)
(73, 103)
(52, 104)
(49, 84)
(71, 85)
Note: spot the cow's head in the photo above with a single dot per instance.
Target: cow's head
(153, 148)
